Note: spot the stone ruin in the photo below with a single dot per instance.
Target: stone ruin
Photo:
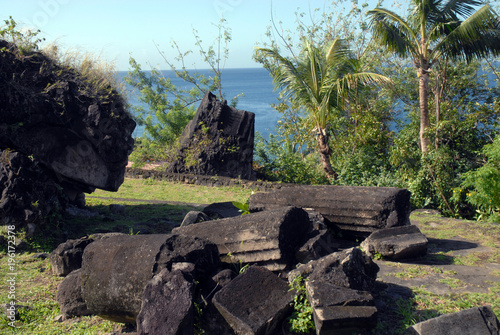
(60, 135)
(217, 142)
(238, 268)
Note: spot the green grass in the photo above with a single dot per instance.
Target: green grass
(150, 189)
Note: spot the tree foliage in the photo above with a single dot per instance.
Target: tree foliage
(433, 32)
(166, 108)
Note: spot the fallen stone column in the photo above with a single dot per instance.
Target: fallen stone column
(269, 238)
(115, 270)
(354, 210)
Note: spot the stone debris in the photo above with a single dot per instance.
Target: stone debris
(255, 302)
(354, 211)
(269, 238)
(396, 243)
(68, 256)
(474, 321)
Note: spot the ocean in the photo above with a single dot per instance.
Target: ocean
(254, 83)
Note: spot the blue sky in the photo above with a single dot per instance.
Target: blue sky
(116, 29)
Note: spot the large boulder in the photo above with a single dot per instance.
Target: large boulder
(75, 125)
(116, 269)
(27, 191)
(269, 238)
(353, 210)
(218, 141)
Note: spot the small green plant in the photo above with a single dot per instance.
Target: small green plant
(243, 207)
(26, 42)
(301, 321)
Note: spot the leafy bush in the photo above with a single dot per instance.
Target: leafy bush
(277, 159)
(482, 186)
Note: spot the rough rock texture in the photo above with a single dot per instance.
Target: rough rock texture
(116, 269)
(338, 310)
(68, 256)
(267, 238)
(348, 268)
(474, 321)
(255, 302)
(167, 305)
(27, 192)
(78, 131)
(354, 210)
(218, 141)
(319, 244)
(396, 243)
(69, 296)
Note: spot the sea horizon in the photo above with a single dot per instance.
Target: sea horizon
(254, 83)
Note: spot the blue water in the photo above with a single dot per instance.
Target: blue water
(254, 83)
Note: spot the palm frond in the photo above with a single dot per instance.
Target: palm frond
(393, 31)
(456, 9)
(476, 37)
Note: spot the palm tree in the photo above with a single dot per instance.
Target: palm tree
(437, 29)
(321, 80)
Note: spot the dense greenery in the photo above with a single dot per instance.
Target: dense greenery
(377, 140)
(360, 134)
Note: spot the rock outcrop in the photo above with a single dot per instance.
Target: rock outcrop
(218, 141)
(355, 211)
(74, 127)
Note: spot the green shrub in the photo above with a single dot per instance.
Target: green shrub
(482, 186)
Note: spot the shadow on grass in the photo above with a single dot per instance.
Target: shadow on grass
(131, 218)
(397, 309)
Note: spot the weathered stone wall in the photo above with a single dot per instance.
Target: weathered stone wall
(203, 180)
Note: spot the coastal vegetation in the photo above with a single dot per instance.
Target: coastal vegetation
(425, 133)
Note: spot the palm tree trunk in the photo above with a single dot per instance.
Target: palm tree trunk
(325, 152)
(423, 89)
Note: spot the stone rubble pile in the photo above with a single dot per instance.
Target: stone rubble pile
(238, 270)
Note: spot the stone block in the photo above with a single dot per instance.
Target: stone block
(68, 256)
(354, 210)
(167, 305)
(268, 238)
(348, 268)
(396, 243)
(69, 296)
(255, 302)
(474, 321)
(339, 310)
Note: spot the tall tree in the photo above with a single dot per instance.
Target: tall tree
(322, 80)
(437, 29)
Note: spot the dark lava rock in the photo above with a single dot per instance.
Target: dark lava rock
(218, 141)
